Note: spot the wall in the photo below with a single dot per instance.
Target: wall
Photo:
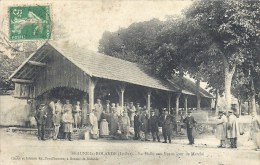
(12, 111)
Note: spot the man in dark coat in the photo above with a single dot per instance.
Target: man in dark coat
(167, 125)
(137, 125)
(145, 124)
(190, 125)
(154, 120)
(40, 118)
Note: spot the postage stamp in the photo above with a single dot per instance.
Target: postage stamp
(29, 23)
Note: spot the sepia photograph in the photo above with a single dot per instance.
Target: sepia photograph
(129, 82)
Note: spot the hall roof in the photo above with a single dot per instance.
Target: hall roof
(96, 65)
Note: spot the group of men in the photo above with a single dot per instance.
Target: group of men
(63, 118)
(107, 119)
(228, 129)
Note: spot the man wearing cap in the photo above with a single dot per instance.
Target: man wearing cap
(131, 112)
(221, 132)
(40, 118)
(56, 122)
(93, 124)
(154, 120)
(124, 124)
(166, 121)
(232, 129)
(67, 120)
(98, 109)
(190, 123)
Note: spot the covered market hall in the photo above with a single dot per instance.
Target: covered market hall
(62, 71)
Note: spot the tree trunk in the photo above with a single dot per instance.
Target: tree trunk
(253, 103)
(249, 107)
(239, 106)
(228, 73)
(198, 93)
(216, 101)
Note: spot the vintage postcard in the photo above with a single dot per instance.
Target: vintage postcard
(129, 82)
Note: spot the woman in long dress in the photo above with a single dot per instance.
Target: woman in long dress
(104, 131)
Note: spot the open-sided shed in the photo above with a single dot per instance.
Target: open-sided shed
(60, 65)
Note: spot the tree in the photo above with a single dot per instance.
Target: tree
(233, 29)
(135, 43)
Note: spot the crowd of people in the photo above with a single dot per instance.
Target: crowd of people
(112, 120)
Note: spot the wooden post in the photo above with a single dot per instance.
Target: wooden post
(169, 102)
(177, 104)
(120, 91)
(91, 92)
(186, 103)
(149, 100)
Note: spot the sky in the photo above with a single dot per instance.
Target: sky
(84, 22)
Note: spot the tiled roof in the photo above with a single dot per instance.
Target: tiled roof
(107, 67)
(189, 86)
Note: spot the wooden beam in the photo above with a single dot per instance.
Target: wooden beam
(169, 102)
(91, 92)
(21, 80)
(36, 63)
(186, 103)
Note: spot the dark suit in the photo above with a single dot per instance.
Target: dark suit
(145, 125)
(137, 125)
(190, 124)
(154, 120)
(40, 117)
(167, 126)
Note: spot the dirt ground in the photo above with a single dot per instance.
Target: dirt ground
(26, 149)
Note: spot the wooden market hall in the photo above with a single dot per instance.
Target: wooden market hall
(62, 71)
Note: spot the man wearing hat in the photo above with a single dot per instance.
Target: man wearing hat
(166, 121)
(124, 125)
(131, 112)
(232, 128)
(190, 123)
(93, 124)
(67, 120)
(145, 126)
(56, 122)
(98, 109)
(40, 118)
(137, 125)
(221, 132)
(154, 120)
